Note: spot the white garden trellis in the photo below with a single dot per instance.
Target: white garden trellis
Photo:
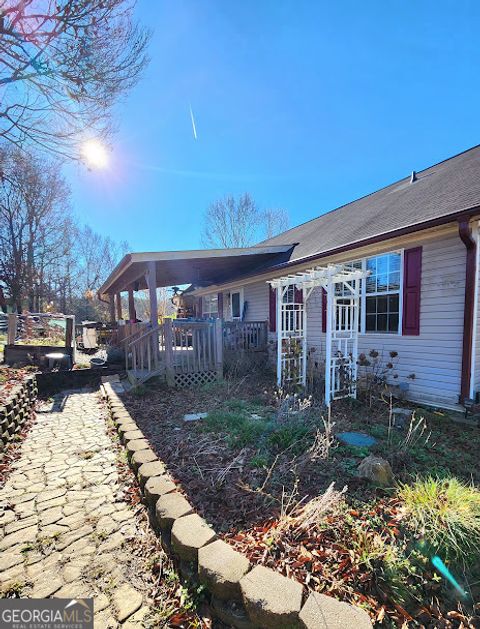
(341, 283)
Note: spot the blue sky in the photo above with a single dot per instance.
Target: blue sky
(305, 104)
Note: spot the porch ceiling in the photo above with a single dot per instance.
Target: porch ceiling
(199, 267)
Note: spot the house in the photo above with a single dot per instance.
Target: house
(414, 243)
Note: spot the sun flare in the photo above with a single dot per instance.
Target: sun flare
(95, 154)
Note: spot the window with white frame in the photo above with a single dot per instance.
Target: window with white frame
(382, 293)
(210, 306)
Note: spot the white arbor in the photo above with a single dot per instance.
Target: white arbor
(341, 283)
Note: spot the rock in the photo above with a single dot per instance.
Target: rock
(401, 416)
(194, 417)
(136, 444)
(46, 585)
(100, 603)
(24, 536)
(132, 434)
(128, 426)
(148, 470)
(221, 568)
(325, 612)
(157, 486)
(127, 601)
(169, 508)
(141, 457)
(271, 600)
(189, 534)
(11, 558)
(377, 470)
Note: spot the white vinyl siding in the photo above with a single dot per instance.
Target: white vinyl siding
(435, 356)
(257, 297)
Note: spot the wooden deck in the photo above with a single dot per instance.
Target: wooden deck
(187, 352)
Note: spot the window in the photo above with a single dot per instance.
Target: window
(236, 305)
(210, 306)
(380, 296)
(382, 293)
(340, 289)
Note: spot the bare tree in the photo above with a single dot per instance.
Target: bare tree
(275, 222)
(34, 211)
(46, 259)
(95, 256)
(62, 67)
(232, 222)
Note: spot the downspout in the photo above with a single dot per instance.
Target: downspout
(468, 312)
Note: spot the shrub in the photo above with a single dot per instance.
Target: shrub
(446, 513)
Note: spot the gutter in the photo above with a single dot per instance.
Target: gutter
(465, 234)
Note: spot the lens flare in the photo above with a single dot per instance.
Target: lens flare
(95, 154)
(445, 572)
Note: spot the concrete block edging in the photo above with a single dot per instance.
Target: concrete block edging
(242, 595)
(16, 410)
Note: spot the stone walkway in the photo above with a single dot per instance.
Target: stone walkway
(65, 527)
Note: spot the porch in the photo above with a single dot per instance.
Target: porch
(189, 351)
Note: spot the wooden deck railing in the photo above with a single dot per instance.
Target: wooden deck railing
(142, 351)
(245, 336)
(127, 333)
(191, 352)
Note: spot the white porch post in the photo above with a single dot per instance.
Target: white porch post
(328, 344)
(279, 294)
(304, 340)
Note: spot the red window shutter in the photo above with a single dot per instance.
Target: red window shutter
(298, 295)
(273, 309)
(412, 280)
(220, 305)
(324, 310)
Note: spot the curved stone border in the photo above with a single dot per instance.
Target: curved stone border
(242, 596)
(15, 412)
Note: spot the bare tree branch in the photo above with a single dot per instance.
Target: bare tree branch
(63, 65)
(232, 222)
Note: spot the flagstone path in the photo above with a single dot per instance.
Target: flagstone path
(65, 528)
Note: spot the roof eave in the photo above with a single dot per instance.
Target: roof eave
(410, 229)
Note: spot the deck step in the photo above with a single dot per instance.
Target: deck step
(139, 376)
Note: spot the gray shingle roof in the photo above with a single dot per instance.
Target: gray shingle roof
(440, 190)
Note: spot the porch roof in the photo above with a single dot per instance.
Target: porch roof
(199, 267)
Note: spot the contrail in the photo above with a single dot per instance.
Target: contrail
(193, 123)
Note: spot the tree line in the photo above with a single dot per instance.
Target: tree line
(48, 260)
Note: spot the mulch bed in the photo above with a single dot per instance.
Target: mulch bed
(243, 503)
